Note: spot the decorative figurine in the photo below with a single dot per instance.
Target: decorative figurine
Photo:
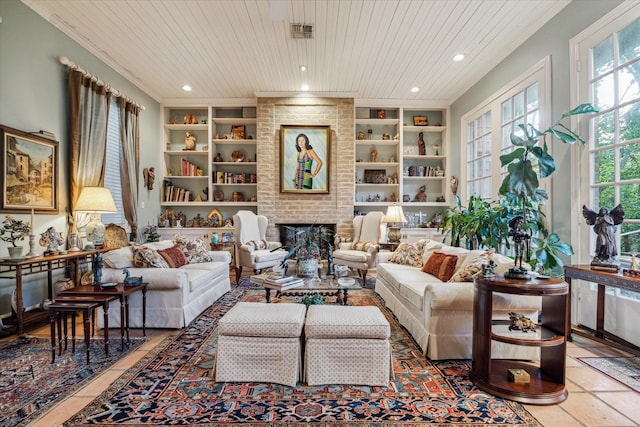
(604, 225)
(520, 247)
(454, 185)
(96, 266)
(421, 196)
(52, 240)
(131, 281)
(634, 263)
(360, 135)
(189, 142)
(374, 154)
(149, 177)
(520, 322)
(386, 136)
(422, 150)
(218, 158)
(436, 149)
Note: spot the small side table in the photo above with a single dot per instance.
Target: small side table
(58, 312)
(547, 379)
(231, 248)
(389, 246)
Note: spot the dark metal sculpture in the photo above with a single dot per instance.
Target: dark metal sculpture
(520, 240)
(604, 225)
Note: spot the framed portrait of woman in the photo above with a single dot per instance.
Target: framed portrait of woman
(304, 159)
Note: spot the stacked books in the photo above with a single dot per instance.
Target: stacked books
(276, 280)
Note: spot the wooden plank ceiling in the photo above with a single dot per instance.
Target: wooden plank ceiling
(371, 49)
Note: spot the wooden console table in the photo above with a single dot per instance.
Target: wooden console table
(602, 279)
(17, 268)
(547, 377)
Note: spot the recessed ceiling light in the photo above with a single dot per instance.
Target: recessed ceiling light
(459, 57)
(415, 89)
(186, 88)
(304, 87)
(303, 68)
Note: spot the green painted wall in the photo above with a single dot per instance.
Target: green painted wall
(33, 96)
(551, 40)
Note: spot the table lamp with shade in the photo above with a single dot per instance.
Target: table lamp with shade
(95, 200)
(394, 216)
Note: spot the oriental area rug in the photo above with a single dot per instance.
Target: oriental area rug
(30, 384)
(623, 369)
(173, 385)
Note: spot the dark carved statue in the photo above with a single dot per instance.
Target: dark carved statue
(604, 225)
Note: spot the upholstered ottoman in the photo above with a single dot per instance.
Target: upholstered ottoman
(347, 345)
(260, 342)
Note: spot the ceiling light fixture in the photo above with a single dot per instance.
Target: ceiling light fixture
(459, 57)
(304, 87)
(415, 89)
(303, 68)
(186, 88)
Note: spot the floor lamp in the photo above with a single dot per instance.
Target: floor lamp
(394, 216)
(95, 200)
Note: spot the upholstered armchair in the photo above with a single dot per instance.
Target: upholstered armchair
(361, 250)
(252, 248)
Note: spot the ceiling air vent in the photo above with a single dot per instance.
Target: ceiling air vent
(301, 31)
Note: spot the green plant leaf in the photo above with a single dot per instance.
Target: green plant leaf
(523, 179)
(580, 109)
(516, 154)
(545, 161)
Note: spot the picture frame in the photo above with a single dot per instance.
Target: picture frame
(420, 121)
(375, 176)
(29, 178)
(237, 132)
(317, 151)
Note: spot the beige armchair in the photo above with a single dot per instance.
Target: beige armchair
(252, 248)
(361, 252)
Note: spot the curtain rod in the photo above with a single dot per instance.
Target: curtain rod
(72, 65)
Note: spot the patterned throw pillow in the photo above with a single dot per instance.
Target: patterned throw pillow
(174, 256)
(441, 265)
(471, 268)
(256, 245)
(361, 246)
(407, 254)
(145, 257)
(195, 250)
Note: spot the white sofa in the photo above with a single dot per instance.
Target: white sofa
(175, 296)
(439, 315)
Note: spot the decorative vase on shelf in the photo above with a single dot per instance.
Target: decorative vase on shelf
(15, 251)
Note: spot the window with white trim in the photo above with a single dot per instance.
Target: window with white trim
(112, 168)
(490, 125)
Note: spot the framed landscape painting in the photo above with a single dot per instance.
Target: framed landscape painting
(304, 159)
(29, 178)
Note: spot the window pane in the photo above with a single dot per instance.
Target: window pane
(506, 136)
(470, 170)
(602, 55)
(630, 163)
(604, 128)
(629, 200)
(487, 122)
(532, 97)
(627, 85)
(506, 112)
(518, 105)
(486, 189)
(630, 122)
(112, 168)
(487, 145)
(603, 197)
(470, 132)
(629, 238)
(603, 166)
(532, 119)
(603, 92)
(629, 42)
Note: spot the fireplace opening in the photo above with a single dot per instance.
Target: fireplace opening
(287, 233)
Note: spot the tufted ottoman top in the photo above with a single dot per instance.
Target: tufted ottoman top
(258, 319)
(339, 321)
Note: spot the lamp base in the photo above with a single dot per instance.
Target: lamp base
(394, 234)
(95, 230)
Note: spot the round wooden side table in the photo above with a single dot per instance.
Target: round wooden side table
(546, 383)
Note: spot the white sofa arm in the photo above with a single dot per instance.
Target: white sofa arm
(384, 256)
(220, 256)
(157, 278)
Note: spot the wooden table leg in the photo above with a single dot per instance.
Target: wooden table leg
(105, 308)
(86, 316)
(126, 308)
(52, 324)
(144, 312)
(73, 332)
(600, 312)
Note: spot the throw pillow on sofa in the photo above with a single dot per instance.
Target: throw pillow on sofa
(441, 265)
(472, 266)
(174, 256)
(146, 257)
(407, 254)
(195, 250)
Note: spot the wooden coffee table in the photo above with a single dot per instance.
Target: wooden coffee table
(122, 292)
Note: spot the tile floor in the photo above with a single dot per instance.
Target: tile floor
(594, 399)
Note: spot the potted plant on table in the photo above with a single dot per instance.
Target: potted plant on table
(521, 186)
(306, 248)
(12, 231)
